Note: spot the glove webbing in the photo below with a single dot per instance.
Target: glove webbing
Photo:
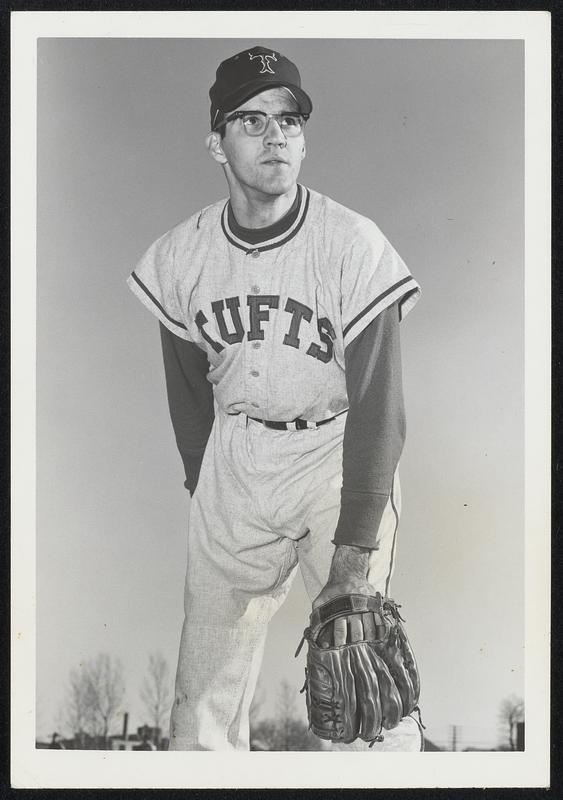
(342, 606)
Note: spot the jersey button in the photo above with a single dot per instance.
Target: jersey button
(255, 373)
(255, 290)
(256, 345)
(255, 254)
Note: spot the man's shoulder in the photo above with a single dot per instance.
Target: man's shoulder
(185, 231)
(341, 220)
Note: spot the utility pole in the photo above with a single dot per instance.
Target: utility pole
(454, 738)
(520, 736)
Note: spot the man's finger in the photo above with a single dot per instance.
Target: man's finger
(369, 626)
(356, 628)
(324, 639)
(340, 631)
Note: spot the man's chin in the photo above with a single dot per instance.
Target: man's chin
(278, 187)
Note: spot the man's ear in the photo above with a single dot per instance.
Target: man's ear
(214, 147)
(303, 151)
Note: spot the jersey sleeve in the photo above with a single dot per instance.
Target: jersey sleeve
(375, 429)
(190, 400)
(374, 277)
(153, 281)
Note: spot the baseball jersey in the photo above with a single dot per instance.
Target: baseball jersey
(274, 319)
(375, 425)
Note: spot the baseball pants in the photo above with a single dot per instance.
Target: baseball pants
(267, 501)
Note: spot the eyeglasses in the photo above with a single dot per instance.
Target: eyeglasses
(255, 123)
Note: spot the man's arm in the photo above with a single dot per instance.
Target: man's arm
(190, 400)
(373, 442)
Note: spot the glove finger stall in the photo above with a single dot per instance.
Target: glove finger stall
(331, 694)
(391, 703)
(391, 653)
(410, 662)
(368, 694)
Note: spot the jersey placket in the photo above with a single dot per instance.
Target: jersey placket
(258, 287)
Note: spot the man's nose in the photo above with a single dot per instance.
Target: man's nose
(274, 134)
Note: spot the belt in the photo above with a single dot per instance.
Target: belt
(297, 424)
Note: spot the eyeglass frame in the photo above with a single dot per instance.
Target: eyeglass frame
(243, 112)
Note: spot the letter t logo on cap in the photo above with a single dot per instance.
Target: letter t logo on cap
(265, 61)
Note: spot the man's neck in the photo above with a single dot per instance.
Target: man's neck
(259, 212)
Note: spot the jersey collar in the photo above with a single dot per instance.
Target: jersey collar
(275, 241)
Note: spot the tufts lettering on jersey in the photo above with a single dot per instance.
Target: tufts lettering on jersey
(275, 318)
(201, 321)
(328, 335)
(233, 304)
(228, 327)
(298, 311)
(259, 313)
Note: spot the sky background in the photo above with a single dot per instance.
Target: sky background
(425, 137)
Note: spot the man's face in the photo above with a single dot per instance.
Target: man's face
(269, 163)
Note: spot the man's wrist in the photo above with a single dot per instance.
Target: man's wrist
(349, 561)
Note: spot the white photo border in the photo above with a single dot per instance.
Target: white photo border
(33, 768)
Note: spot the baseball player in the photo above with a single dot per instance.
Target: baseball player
(279, 316)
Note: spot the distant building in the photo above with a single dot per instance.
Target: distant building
(119, 743)
(81, 741)
(146, 738)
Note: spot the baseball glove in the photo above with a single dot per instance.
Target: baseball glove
(359, 689)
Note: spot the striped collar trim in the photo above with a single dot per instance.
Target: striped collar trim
(268, 244)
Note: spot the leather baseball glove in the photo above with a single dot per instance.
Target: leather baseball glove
(358, 689)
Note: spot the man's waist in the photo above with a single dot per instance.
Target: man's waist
(297, 424)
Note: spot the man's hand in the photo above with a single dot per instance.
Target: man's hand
(348, 575)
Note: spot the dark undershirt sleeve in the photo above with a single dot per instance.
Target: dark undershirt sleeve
(190, 400)
(375, 429)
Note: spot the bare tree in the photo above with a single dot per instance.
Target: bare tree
(511, 713)
(105, 689)
(94, 695)
(156, 692)
(286, 714)
(77, 716)
(284, 731)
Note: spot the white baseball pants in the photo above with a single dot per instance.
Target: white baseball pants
(266, 502)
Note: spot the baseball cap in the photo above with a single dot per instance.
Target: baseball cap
(250, 72)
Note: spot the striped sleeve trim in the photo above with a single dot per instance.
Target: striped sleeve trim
(137, 284)
(407, 300)
(406, 291)
(392, 499)
(377, 300)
